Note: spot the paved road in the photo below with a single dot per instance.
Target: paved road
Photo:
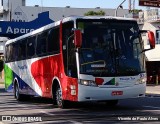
(127, 111)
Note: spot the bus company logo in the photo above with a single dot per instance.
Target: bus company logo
(111, 82)
(126, 78)
(22, 67)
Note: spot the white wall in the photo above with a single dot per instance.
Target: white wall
(57, 13)
(29, 13)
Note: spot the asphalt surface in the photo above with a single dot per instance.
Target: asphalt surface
(150, 89)
(143, 108)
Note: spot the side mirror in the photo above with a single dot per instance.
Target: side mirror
(77, 38)
(151, 39)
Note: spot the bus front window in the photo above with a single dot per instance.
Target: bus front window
(110, 48)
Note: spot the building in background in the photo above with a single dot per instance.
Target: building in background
(17, 11)
(150, 20)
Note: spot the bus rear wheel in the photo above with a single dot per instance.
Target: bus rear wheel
(17, 95)
(58, 99)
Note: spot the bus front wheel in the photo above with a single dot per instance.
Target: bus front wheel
(58, 99)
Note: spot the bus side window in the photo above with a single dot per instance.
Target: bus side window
(31, 46)
(7, 54)
(10, 52)
(15, 51)
(41, 43)
(22, 49)
(53, 40)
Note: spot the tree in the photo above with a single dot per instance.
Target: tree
(136, 11)
(93, 13)
(101, 13)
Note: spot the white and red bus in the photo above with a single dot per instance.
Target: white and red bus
(78, 59)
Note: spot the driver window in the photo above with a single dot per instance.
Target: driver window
(69, 55)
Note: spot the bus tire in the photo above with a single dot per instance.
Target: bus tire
(58, 99)
(17, 95)
(112, 102)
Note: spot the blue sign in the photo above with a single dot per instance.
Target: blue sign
(15, 29)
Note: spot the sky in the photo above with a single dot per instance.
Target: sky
(82, 3)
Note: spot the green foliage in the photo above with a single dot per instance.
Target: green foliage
(101, 13)
(136, 11)
(93, 13)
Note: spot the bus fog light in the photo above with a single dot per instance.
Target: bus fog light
(72, 87)
(73, 92)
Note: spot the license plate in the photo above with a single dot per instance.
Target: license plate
(117, 93)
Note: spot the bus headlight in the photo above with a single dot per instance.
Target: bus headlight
(141, 80)
(88, 82)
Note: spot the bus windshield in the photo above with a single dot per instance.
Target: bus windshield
(110, 48)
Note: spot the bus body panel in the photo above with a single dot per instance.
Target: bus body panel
(87, 93)
(35, 77)
(8, 78)
(112, 88)
(69, 88)
(44, 70)
(22, 75)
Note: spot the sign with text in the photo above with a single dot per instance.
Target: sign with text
(15, 29)
(150, 3)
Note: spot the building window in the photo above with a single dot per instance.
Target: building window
(23, 2)
(1, 47)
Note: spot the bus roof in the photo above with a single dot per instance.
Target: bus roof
(64, 20)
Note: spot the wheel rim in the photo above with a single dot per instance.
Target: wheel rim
(16, 92)
(59, 97)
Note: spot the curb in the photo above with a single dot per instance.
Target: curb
(1, 81)
(152, 95)
(153, 91)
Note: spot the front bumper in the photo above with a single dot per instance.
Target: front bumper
(89, 93)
